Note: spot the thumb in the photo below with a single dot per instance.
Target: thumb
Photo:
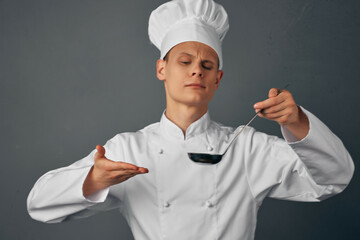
(100, 152)
(273, 92)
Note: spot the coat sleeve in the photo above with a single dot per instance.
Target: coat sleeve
(312, 169)
(57, 195)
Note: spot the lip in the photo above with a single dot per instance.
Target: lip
(194, 85)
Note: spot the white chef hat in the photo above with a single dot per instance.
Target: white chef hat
(180, 21)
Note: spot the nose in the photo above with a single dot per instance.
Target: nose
(200, 74)
(197, 70)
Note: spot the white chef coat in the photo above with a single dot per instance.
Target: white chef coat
(180, 199)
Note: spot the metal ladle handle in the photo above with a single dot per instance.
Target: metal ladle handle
(256, 114)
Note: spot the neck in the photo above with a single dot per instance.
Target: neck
(184, 115)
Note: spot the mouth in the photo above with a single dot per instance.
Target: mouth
(195, 85)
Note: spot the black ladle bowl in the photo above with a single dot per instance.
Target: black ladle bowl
(205, 158)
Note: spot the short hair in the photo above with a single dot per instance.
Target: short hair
(166, 57)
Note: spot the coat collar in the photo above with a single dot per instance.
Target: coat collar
(195, 129)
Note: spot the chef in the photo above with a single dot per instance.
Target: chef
(148, 176)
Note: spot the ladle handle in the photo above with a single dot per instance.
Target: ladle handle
(256, 114)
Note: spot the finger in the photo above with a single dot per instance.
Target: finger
(276, 108)
(282, 120)
(286, 103)
(277, 96)
(129, 176)
(124, 178)
(269, 102)
(273, 92)
(275, 116)
(116, 166)
(143, 170)
(125, 172)
(100, 152)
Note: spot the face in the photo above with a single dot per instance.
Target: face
(190, 74)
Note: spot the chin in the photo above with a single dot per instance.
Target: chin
(196, 102)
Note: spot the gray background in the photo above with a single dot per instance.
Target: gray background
(75, 73)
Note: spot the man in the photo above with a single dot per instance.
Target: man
(176, 198)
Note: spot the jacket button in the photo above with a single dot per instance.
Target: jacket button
(208, 204)
(210, 148)
(166, 204)
(161, 151)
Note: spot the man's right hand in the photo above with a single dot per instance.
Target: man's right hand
(106, 172)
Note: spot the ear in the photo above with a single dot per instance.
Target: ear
(160, 69)
(219, 76)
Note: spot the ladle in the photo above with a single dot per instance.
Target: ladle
(206, 158)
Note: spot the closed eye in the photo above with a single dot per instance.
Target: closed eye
(207, 68)
(207, 64)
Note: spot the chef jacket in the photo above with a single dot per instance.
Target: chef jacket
(181, 199)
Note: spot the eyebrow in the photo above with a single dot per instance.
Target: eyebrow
(190, 55)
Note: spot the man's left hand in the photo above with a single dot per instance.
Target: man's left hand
(281, 107)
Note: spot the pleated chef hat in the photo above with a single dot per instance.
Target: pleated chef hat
(180, 21)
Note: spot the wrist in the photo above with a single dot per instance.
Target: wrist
(299, 128)
(90, 185)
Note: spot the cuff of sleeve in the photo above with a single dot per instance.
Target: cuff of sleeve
(98, 197)
(290, 138)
